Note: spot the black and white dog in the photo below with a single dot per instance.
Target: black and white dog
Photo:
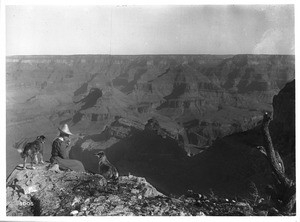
(32, 150)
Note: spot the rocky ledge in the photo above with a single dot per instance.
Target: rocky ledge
(47, 191)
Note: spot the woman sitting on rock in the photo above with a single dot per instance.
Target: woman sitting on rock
(59, 152)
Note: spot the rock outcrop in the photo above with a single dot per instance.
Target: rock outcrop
(50, 192)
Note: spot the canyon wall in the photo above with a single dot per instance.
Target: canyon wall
(200, 97)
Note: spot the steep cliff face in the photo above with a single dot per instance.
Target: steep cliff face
(284, 115)
(205, 97)
(283, 126)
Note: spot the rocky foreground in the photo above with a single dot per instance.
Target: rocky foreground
(47, 191)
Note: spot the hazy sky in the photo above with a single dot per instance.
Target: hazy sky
(227, 29)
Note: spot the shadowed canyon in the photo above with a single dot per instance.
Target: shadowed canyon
(206, 109)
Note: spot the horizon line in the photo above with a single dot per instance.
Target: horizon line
(148, 54)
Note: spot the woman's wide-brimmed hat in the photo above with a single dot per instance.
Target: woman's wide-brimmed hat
(65, 129)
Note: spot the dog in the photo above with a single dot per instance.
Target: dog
(32, 150)
(105, 168)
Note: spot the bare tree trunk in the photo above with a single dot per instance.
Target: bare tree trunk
(286, 189)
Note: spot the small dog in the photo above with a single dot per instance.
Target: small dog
(32, 149)
(105, 168)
